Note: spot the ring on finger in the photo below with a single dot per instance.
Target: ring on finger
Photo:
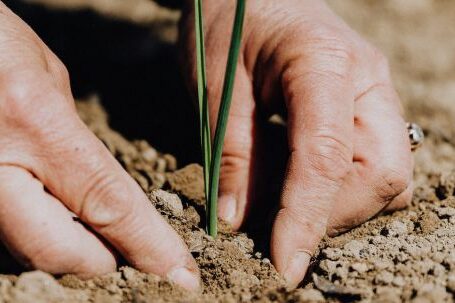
(416, 135)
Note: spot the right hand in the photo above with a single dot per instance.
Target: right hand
(52, 165)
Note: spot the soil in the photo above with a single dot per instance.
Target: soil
(406, 256)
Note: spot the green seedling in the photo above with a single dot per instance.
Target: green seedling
(212, 156)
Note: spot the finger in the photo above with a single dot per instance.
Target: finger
(403, 200)
(319, 100)
(41, 232)
(78, 169)
(236, 161)
(383, 161)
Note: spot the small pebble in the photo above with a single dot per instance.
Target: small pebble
(397, 228)
(149, 155)
(384, 277)
(359, 267)
(169, 202)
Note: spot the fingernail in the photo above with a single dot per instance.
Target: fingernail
(185, 278)
(227, 208)
(296, 269)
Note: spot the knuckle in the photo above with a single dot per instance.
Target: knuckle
(391, 182)
(329, 157)
(236, 153)
(333, 42)
(232, 162)
(17, 99)
(329, 56)
(105, 202)
(23, 99)
(306, 219)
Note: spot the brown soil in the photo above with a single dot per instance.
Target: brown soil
(407, 256)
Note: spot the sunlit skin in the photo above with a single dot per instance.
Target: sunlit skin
(349, 152)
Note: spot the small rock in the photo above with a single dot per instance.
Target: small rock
(157, 180)
(245, 244)
(169, 202)
(377, 240)
(438, 257)
(380, 264)
(384, 277)
(333, 254)
(446, 186)
(149, 155)
(160, 165)
(171, 162)
(266, 261)
(359, 267)
(399, 281)
(438, 270)
(130, 274)
(37, 286)
(353, 248)
(445, 212)
(397, 228)
(330, 288)
(211, 253)
(341, 273)
(329, 266)
(196, 243)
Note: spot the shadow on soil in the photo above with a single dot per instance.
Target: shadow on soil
(136, 76)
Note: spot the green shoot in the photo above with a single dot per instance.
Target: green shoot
(223, 115)
(202, 94)
(212, 159)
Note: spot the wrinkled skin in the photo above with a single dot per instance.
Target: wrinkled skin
(51, 164)
(349, 155)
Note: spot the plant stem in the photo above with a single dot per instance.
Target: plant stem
(223, 114)
(202, 94)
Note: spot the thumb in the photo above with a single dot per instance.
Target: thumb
(77, 168)
(237, 150)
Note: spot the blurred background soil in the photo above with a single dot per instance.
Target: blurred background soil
(124, 52)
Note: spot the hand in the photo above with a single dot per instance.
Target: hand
(51, 164)
(349, 154)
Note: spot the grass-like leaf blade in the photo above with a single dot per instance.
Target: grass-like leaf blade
(223, 115)
(202, 94)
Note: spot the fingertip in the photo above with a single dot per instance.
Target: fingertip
(186, 276)
(293, 244)
(297, 268)
(227, 208)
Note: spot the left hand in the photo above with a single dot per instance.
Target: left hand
(349, 153)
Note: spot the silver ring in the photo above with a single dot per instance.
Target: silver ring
(416, 135)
